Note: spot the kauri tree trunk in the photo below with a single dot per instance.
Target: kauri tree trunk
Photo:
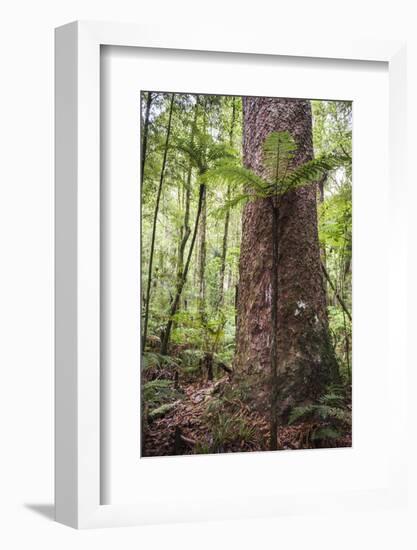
(305, 360)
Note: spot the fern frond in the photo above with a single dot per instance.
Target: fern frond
(232, 203)
(311, 171)
(278, 151)
(193, 151)
(203, 151)
(320, 412)
(219, 151)
(236, 176)
(150, 360)
(301, 412)
(325, 433)
(332, 399)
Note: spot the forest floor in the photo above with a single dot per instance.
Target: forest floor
(196, 425)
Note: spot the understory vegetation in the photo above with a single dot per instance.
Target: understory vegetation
(197, 394)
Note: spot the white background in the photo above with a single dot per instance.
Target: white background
(26, 273)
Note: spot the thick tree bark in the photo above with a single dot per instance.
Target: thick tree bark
(304, 359)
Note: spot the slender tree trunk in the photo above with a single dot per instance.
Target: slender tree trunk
(321, 185)
(202, 263)
(227, 216)
(224, 252)
(180, 287)
(203, 244)
(186, 224)
(145, 135)
(155, 218)
(304, 355)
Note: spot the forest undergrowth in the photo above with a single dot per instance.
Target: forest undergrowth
(192, 414)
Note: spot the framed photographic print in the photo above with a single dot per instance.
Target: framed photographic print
(218, 328)
(224, 337)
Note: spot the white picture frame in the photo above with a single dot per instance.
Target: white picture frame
(78, 406)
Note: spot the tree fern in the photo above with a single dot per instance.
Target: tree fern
(331, 408)
(280, 174)
(313, 170)
(236, 176)
(204, 152)
(156, 360)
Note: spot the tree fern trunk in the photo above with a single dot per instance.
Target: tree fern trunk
(273, 443)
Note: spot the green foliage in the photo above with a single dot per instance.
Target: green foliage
(159, 392)
(335, 216)
(214, 330)
(332, 123)
(204, 152)
(191, 361)
(226, 429)
(161, 411)
(281, 175)
(279, 149)
(188, 329)
(313, 170)
(319, 412)
(226, 418)
(332, 415)
(237, 177)
(340, 329)
(152, 360)
(325, 434)
(202, 448)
